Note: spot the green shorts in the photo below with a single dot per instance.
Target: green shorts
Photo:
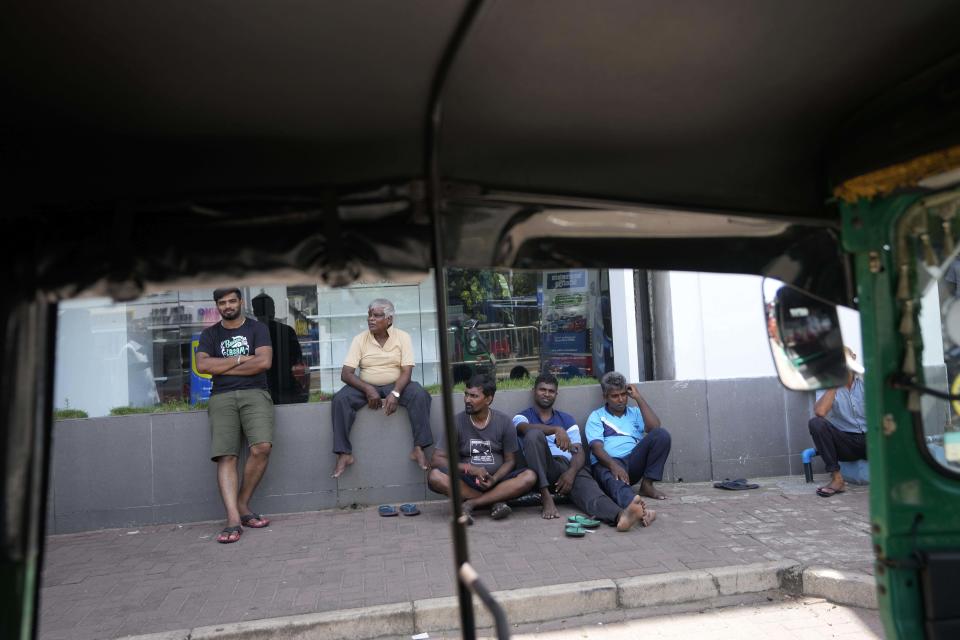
(237, 414)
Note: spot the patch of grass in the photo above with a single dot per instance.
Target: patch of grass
(523, 384)
(69, 414)
(172, 406)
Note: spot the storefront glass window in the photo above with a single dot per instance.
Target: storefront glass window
(122, 357)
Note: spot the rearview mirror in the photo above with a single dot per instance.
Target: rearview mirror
(805, 338)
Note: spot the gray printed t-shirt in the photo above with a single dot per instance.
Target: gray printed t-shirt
(484, 447)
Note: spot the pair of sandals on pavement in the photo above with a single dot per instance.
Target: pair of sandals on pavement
(389, 511)
(735, 485)
(230, 535)
(578, 525)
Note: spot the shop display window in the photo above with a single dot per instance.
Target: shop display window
(508, 323)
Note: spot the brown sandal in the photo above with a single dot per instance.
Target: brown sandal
(227, 535)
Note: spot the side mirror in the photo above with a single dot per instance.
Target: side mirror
(805, 339)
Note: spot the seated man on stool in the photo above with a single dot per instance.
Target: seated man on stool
(384, 355)
(839, 427)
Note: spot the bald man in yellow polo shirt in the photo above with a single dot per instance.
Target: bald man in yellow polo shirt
(384, 357)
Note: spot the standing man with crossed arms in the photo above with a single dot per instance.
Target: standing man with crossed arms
(237, 352)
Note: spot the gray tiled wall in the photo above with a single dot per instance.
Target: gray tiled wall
(145, 469)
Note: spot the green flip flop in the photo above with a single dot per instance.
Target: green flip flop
(584, 521)
(574, 530)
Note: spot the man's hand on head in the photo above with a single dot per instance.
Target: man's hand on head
(634, 392)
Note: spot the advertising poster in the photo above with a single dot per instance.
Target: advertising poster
(565, 331)
(200, 383)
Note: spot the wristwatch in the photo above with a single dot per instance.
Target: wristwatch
(396, 394)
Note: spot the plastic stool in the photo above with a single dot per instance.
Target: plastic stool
(808, 456)
(856, 472)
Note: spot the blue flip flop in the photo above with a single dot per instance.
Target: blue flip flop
(387, 511)
(409, 509)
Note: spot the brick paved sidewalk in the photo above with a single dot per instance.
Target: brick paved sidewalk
(118, 582)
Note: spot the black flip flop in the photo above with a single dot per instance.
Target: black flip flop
(250, 517)
(229, 531)
(500, 511)
(828, 492)
(735, 485)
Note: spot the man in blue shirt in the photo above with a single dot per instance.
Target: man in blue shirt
(627, 443)
(551, 446)
(839, 427)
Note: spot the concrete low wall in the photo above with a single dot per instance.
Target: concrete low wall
(155, 468)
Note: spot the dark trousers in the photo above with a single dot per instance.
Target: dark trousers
(834, 445)
(348, 400)
(645, 461)
(585, 494)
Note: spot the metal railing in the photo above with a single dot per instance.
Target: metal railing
(506, 343)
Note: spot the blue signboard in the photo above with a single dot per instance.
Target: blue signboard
(565, 342)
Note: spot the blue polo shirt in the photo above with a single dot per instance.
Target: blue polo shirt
(619, 435)
(558, 419)
(848, 412)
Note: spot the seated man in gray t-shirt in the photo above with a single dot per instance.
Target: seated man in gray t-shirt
(487, 446)
(839, 427)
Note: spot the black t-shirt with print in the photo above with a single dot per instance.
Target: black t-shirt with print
(229, 343)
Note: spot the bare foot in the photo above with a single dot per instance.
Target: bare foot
(344, 460)
(419, 457)
(466, 513)
(633, 514)
(648, 516)
(647, 489)
(549, 508)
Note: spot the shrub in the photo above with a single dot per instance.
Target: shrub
(69, 414)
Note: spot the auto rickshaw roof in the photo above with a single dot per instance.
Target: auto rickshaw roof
(742, 107)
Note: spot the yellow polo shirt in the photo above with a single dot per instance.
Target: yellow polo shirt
(380, 365)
